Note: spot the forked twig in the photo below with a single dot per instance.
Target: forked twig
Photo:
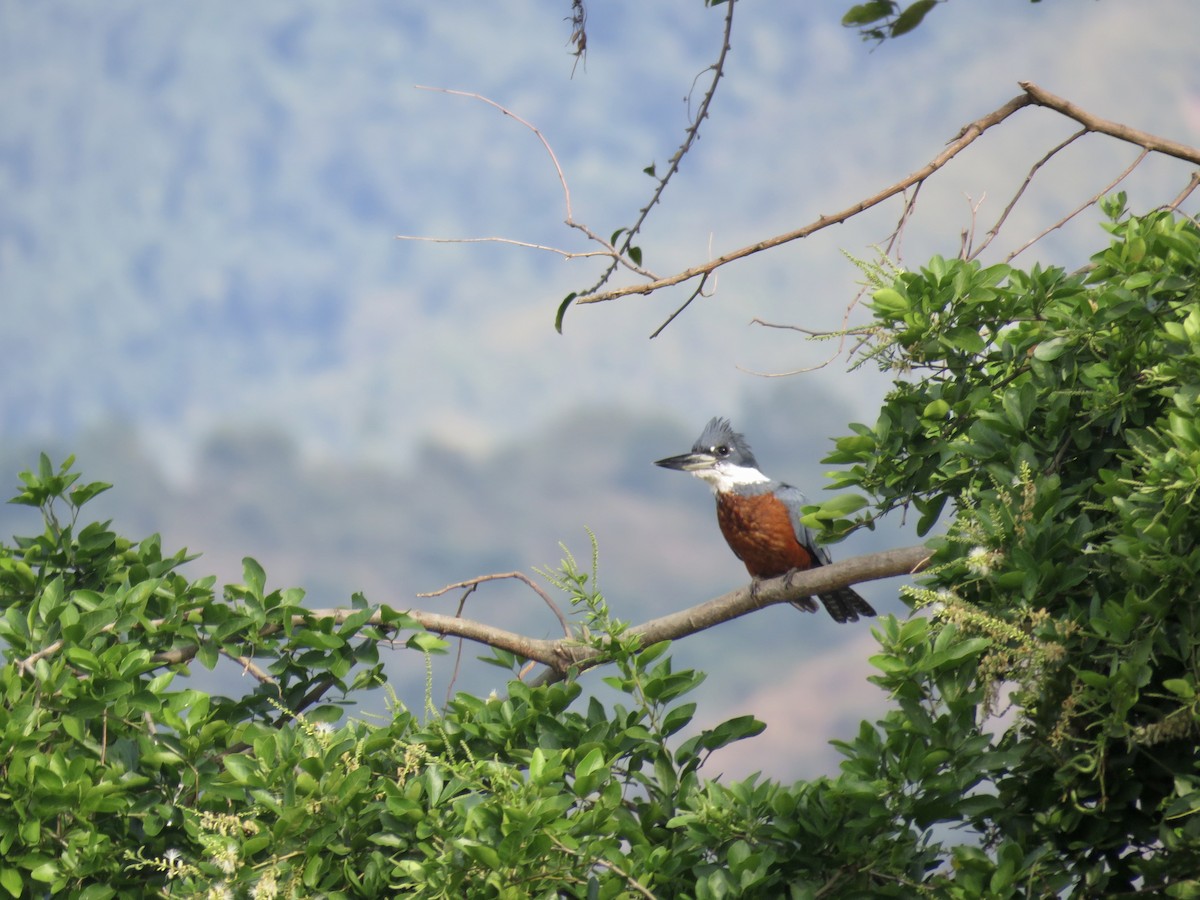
(1096, 198)
(690, 137)
(1193, 183)
(964, 139)
(995, 229)
(472, 583)
(618, 257)
(1032, 95)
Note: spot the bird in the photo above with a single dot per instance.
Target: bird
(760, 517)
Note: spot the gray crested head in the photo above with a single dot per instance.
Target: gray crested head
(720, 440)
(720, 457)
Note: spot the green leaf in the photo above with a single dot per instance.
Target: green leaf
(562, 311)
(10, 880)
(841, 505)
(1180, 687)
(427, 643)
(242, 768)
(254, 577)
(1048, 351)
(318, 640)
(83, 494)
(912, 16)
(936, 409)
(481, 853)
(865, 13)
(889, 300)
(591, 763)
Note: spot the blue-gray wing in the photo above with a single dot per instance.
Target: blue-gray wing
(843, 604)
(796, 501)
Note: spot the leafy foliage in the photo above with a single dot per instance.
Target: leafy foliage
(878, 20)
(1047, 421)
(117, 781)
(1057, 414)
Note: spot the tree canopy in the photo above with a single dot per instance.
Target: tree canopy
(1045, 712)
(1042, 429)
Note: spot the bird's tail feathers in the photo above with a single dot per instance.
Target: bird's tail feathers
(845, 605)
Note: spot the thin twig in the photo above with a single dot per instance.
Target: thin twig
(462, 604)
(565, 254)
(690, 137)
(892, 247)
(965, 138)
(1033, 95)
(520, 576)
(617, 256)
(698, 292)
(248, 665)
(562, 179)
(995, 229)
(862, 339)
(1096, 198)
(1193, 183)
(606, 864)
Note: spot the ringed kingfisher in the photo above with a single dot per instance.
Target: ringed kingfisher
(760, 517)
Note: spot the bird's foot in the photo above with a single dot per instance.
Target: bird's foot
(804, 604)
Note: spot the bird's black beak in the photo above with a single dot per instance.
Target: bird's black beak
(688, 462)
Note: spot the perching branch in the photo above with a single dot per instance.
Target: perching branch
(562, 654)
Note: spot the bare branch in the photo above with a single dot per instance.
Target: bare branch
(995, 229)
(855, 570)
(897, 235)
(741, 602)
(578, 33)
(565, 254)
(562, 179)
(618, 257)
(690, 137)
(965, 138)
(1033, 95)
(698, 292)
(1092, 201)
(1135, 136)
(472, 583)
(1193, 183)
(248, 665)
(562, 654)
(863, 335)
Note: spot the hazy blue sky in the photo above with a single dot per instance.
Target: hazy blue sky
(200, 200)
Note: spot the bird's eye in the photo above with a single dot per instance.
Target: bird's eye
(722, 450)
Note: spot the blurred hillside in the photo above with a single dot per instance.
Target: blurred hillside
(335, 529)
